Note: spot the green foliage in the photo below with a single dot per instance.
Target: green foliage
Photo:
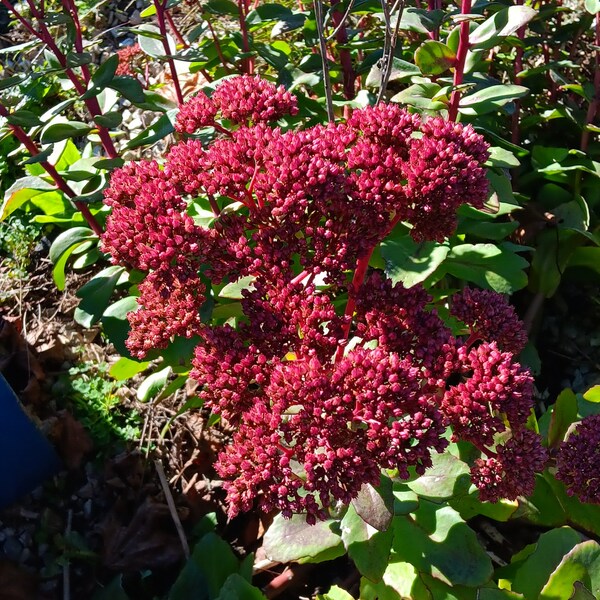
(17, 241)
(96, 403)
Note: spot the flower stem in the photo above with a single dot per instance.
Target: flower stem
(461, 55)
(341, 37)
(362, 264)
(247, 63)
(161, 9)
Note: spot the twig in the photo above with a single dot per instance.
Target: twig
(173, 510)
(389, 44)
(323, 47)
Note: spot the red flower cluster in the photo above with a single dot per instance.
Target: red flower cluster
(578, 462)
(489, 315)
(241, 100)
(129, 58)
(322, 401)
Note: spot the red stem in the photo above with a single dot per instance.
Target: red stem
(299, 277)
(341, 36)
(222, 58)
(434, 5)
(162, 26)
(175, 30)
(213, 205)
(461, 55)
(248, 63)
(362, 264)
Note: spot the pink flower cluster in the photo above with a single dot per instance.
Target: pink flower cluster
(240, 100)
(322, 401)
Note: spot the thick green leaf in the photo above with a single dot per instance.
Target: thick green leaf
(125, 368)
(433, 57)
(542, 507)
(469, 506)
(504, 23)
(276, 57)
(293, 539)
(585, 257)
(160, 129)
(234, 290)
(9, 82)
(400, 581)
(578, 514)
(335, 593)
(150, 40)
(238, 588)
(24, 118)
(153, 384)
(592, 6)
(110, 120)
(486, 230)
(294, 21)
(581, 564)
(78, 59)
(115, 324)
(408, 261)
(95, 295)
(447, 477)
(203, 576)
(593, 394)
(366, 546)
(549, 550)
(554, 248)
(564, 413)
(56, 132)
(489, 266)
(375, 506)
(40, 157)
(156, 102)
(491, 98)
(129, 87)
(267, 13)
(105, 72)
(501, 158)
(69, 238)
(434, 539)
(420, 95)
(20, 191)
(405, 500)
(402, 70)
(221, 7)
(58, 271)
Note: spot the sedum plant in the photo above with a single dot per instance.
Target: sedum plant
(328, 377)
